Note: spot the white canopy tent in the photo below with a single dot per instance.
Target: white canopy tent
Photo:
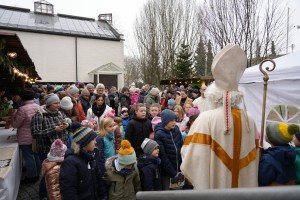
(283, 86)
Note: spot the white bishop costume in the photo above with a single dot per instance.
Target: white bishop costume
(221, 149)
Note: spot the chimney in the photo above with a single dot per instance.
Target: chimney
(107, 17)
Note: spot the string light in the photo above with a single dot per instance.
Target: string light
(24, 75)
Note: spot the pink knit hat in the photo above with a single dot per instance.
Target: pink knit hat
(57, 151)
(193, 111)
(110, 114)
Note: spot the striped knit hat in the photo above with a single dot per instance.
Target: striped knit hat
(82, 135)
(280, 133)
(126, 154)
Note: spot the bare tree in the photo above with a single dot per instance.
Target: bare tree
(131, 70)
(159, 30)
(252, 24)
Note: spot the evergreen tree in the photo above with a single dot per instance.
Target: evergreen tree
(200, 59)
(183, 67)
(273, 53)
(209, 58)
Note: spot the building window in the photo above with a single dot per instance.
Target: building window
(43, 7)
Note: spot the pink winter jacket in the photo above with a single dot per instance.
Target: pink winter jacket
(22, 119)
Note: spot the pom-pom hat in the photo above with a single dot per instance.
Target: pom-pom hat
(280, 133)
(82, 135)
(126, 154)
(57, 150)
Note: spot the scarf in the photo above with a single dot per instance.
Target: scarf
(98, 111)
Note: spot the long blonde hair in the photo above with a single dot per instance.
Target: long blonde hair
(180, 112)
(105, 122)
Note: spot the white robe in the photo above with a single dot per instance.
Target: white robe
(209, 159)
(202, 104)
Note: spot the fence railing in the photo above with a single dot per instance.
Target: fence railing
(260, 193)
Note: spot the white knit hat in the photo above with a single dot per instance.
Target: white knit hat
(66, 103)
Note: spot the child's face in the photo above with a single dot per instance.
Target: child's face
(155, 152)
(170, 107)
(171, 124)
(125, 114)
(120, 124)
(176, 112)
(187, 108)
(110, 128)
(154, 111)
(141, 112)
(91, 146)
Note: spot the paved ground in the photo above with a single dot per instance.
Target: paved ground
(29, 191)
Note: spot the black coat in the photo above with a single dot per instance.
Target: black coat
(136, 131)
(170, 143)
(85, 104)
(124, 101)
(150, 173)
(78, 177)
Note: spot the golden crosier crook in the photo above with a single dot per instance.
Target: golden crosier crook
(266, 78)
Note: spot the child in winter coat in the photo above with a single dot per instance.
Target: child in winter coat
(138, 128)
(51, 168)
(149, 166)
(122, 176)
(296, 141)
(78, 173)
(125, 118)
(107, 133)
(277, 164)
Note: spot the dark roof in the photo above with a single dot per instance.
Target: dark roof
(21, 19)
(13, 44)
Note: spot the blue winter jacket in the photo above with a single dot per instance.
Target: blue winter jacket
(150, 173)
(109, 146)
(78, 177)
(277, 166)
(170, 143)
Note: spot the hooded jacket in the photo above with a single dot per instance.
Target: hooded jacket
(124, 101)
(277, 167)
(170, 143)
(78, 178)
(121, 187)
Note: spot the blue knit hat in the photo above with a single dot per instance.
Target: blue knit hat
(171, 102)
(167, 116)
(82, 135)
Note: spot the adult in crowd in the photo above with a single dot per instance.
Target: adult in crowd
(151, 98)
(201, 102)
(100, 90)
(169, 139)
(113, 98)
(47, 125)
(183, 98)
(90, 87)
(22, 120)
(74, 94)
(84, 98)
(98, 109)
(221, 149)
(124, 98)
(16, 98)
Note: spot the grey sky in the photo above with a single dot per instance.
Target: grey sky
(125, 12)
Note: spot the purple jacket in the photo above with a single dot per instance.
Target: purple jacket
(22, 119)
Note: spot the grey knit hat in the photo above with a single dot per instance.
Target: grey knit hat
(73, 90)
(148, 146)
(51, 99)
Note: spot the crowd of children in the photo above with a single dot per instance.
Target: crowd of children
(115, 151)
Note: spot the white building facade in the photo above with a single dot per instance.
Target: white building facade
(68, 48)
